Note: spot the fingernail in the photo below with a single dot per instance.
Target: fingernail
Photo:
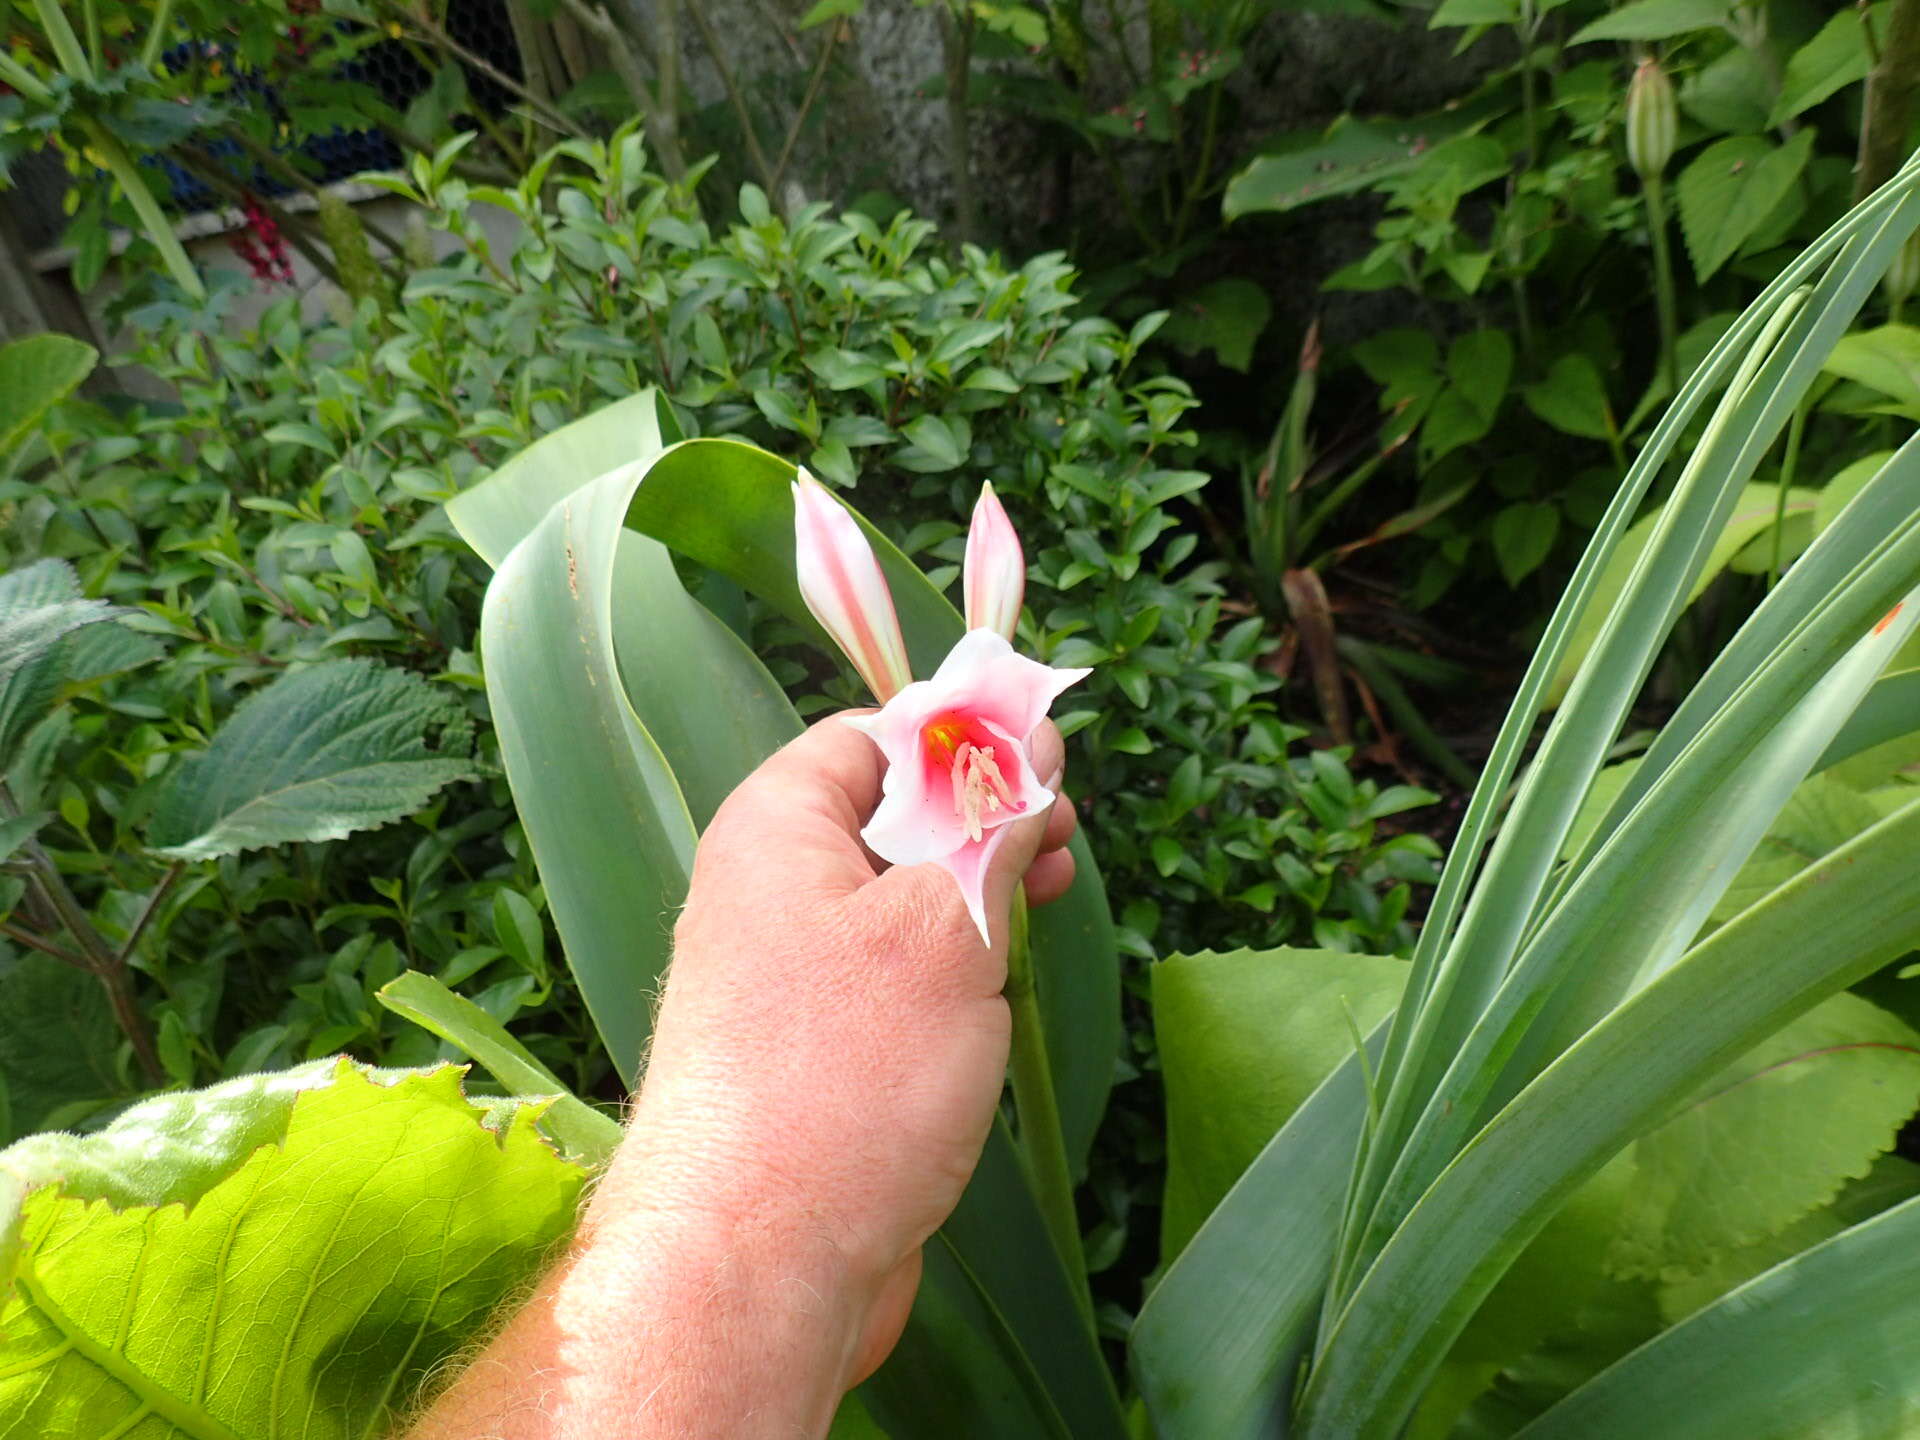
(1052, 782)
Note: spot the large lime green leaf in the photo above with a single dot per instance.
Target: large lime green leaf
(583, 1133)
(1821, 1346)
(1890, 1182)
(343, 746)
(1776, 1136)
(1244, 1039)
(285, 1255)
(36, 373)
(1835, 923)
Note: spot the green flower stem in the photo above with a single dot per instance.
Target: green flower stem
(1041, 1142)
(1655, 190)
(65, 44)
(156, 40)
(159, 229)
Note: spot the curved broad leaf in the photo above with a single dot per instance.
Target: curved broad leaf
(1821, 1345)
(499, 513)
(286, 1254)
(342, 746)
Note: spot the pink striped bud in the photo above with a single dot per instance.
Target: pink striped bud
(841, 582)
(995, 576)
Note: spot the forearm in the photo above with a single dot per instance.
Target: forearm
(670, 1316)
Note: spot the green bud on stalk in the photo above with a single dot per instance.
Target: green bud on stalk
(1652, 120)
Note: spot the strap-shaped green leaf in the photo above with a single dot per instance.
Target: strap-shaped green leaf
(1820, 1345)
(1836, 922)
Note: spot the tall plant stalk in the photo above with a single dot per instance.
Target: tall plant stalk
(1656, 197)
(1042, 1144)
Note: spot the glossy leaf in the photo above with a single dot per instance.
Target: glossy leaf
(1244, 1039)
(1819, 1345)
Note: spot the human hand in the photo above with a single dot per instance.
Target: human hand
(832, 1040)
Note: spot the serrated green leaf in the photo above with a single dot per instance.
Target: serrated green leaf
(1654, 20)
(36, 373)
(342, 746)
(402, 1212)
(1820, 1100)
(1731, 189)
(1818, 1346)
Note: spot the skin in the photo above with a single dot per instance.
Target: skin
(827, 1059)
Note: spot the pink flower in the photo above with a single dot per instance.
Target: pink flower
(995, 578)
(959, 747)
(843, 587)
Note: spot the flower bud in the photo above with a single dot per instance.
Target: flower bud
(843, 586)
(1653, 118)
(994, 577)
